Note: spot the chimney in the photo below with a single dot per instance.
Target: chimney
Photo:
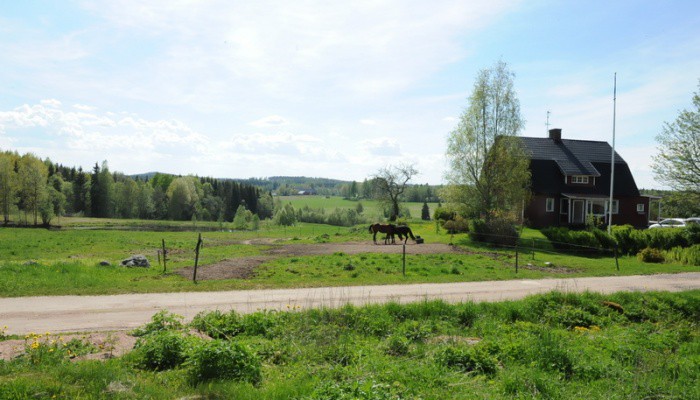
(555, 134)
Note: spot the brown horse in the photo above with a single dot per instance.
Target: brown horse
(402, 231)
(388, 229)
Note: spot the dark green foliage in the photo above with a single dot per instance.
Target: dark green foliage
(443, 214)
(632, 241)
(650, 255)
(221, 359)
(494, 231)
(571, 240)
(161, 350)
(425, 212)
(217, 324)
(467, 358)
(396, 345)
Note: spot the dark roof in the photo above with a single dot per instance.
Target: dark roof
(552, 160)
(573, 157)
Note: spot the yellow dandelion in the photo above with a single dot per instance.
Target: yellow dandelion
(51, 350)
(35, 345)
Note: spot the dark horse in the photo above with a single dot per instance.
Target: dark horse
(402, 231)
(388, 229)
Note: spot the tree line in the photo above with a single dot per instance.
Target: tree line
(36, 191)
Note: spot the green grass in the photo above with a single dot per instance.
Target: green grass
(59, 262)
(553, 346)
(371, 208)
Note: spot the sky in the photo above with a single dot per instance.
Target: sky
(240, 89)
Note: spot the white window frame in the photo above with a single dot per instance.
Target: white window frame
(549, 204)
(640, 207)
(582, 179)
(615, 206)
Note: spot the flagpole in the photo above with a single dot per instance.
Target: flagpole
(612, 159)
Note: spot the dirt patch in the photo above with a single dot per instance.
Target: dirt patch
(244, 267)
(109, 344)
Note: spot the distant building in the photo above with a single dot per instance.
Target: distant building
(306, 192)
(571, 181)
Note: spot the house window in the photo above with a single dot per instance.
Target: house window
(615, 207)
(640, 208)
(549, 205)
(579, 179)
(564, 206)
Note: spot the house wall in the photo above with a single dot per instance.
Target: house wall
(536, 214)
(628, 212)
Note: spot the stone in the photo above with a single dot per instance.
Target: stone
(105, 263)
(137, 260)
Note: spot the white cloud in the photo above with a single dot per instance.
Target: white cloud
(83, 107)
(270, 121)
(382, 147)
(367, 121)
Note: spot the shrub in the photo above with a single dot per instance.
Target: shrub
(495, 231)
(650, 255)
(161, 321)
(456, 225)
(218, 325)
(566, 239)
(443, 214)
(467, 358)
(689, 256)
(161, 350)
(222, 359)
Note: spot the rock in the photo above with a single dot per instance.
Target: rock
(31, 262)
(137, 260)
(105, 263)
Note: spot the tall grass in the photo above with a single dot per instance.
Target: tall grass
(557, 345)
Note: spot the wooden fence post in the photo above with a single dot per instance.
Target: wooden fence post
(404, 261)
(617, 264)
(164, 256)
(196, 257)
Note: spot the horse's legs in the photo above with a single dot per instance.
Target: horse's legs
(374, 238)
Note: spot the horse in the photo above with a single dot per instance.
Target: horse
(388, 229)
(402, 231)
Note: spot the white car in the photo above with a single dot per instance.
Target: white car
(693, 220)
(669, 223)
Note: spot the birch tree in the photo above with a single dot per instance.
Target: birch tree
(488, 170)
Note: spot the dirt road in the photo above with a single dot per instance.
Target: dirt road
(119, 312)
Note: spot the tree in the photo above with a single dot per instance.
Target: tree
(678, 161)
(390, 183)
(488, 169)
(184, 198)
(425, 212)
(102, 192)
(8, 185)
(33, 174)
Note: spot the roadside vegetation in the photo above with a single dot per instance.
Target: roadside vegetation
(620, 346)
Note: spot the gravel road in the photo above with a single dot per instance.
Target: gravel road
(119, 312)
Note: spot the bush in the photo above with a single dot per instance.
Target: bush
(396, 345)
(650, 255)
(495, 231)
(161, 321)
(161, 350)
(221, 359)
(468, 359)
(689, 255)
(566, 239)
(443, 214)
(457, 225)
(218, 325)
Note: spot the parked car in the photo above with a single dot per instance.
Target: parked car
(669, 223)
(693, 220)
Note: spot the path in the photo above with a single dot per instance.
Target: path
(120, 312)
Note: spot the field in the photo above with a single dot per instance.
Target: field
(554, 346)
(67, 261)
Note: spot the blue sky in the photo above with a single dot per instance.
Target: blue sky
(329, 89)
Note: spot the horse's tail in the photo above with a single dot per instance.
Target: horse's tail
(410, 233)
(370, 228)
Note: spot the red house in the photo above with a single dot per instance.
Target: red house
(571, 181)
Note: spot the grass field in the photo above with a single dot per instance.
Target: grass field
(553, 346)
(66, 261)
